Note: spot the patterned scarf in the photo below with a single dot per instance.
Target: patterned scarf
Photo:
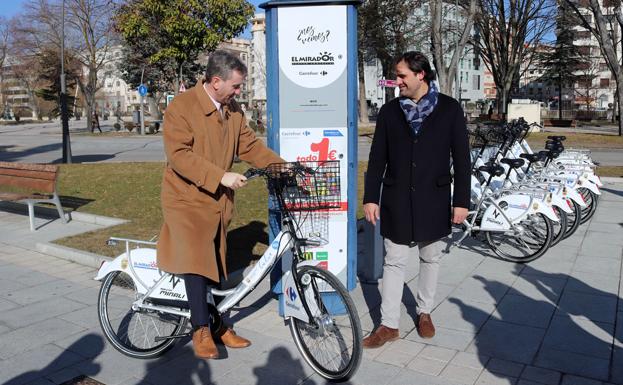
(417, 112)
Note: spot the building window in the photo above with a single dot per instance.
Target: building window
(118, 83)
(604, 83)
(476, 79)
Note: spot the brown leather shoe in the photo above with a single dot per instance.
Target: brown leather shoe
(380, 336)
(229, 338)
(425, 327)
(203, 344)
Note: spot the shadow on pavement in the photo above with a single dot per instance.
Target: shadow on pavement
(281, 368)
(95, 346)
(612, 191)
(15, 156)
(242, 241)
(86, 158)
(183, 369)
(571, 329)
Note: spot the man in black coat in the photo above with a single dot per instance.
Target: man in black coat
(417, 136)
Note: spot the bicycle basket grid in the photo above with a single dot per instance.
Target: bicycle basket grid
(310, 191)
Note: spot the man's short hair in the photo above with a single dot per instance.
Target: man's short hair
(417, 62)
(222, 63)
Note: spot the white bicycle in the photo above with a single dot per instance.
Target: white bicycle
(143, 310)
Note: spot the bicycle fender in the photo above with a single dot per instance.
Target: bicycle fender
(539, 206)
(594, 178)
(292, 305)
(559, 201)
(584, 182)
(110, 266)
(575, 196)
(144, 270)
(515, 207)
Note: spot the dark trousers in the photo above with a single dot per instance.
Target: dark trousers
(197, 287)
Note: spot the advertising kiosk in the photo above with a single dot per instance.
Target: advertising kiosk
(311, 78)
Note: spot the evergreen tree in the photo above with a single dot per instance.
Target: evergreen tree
(50, 66)
(562, 63)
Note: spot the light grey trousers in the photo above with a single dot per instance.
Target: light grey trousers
(394, 267)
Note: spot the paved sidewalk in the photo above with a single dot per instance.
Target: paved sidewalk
(557, 320)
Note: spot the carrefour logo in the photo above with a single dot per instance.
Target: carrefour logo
(291, 293)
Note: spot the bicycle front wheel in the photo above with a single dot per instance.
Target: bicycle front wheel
(331, 342)
(591, 204)
(559, 228)
(573, 219)
(525, 241)
(134, 332)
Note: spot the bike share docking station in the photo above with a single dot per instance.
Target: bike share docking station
(311, 80)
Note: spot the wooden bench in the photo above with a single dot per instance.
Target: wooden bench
(36, 179)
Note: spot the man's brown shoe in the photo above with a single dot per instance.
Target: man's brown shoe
(425, 327)
(203, 344)
(380, 336)
(229, 338)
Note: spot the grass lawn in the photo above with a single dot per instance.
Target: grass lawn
(579, 140)
(132, 191)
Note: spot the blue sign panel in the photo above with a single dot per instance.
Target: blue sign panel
(142, 90)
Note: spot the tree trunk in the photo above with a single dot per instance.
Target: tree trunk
(619, 101)
(363, 105)
(560, 99)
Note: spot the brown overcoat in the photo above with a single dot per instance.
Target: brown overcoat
(200, 146)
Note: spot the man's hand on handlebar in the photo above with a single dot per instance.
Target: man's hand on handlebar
(233, 180)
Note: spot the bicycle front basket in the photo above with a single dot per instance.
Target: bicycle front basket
(306, 186)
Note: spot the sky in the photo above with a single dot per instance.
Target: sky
(9, 8)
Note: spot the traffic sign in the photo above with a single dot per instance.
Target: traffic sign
(182, 87)
(387, 83)
(142, 90)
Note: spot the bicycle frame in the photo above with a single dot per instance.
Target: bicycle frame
(154, 284)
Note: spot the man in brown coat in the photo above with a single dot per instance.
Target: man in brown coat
(204, 129)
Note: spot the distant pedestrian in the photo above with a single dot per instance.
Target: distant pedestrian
(490, 112)
(95, 122)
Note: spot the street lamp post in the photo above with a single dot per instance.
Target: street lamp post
(63, 96)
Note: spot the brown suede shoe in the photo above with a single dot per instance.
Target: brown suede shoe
(203, 344)
(425, 327)
(229, 338)
(380, 336)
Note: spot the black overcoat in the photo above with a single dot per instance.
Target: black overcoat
(414, 172)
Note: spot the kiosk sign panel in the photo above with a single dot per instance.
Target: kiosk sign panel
(312, 52)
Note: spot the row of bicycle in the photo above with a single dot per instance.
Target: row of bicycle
(524, 202)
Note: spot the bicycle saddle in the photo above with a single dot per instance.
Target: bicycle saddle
(558, 138)
(513, 163)
(554, 146)
(553, 154)
(543, 154)
(531, 157)
(492, 169)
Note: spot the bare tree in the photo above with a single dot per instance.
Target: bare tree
(4, 43)
(586, 88)
(604, 28)
(92, 37)
(88, 36)
(511, 31)
(388, 29)
(450, 38)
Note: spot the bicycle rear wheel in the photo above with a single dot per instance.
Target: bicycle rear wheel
(525, 241)
(133, 332)
(331, 342)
